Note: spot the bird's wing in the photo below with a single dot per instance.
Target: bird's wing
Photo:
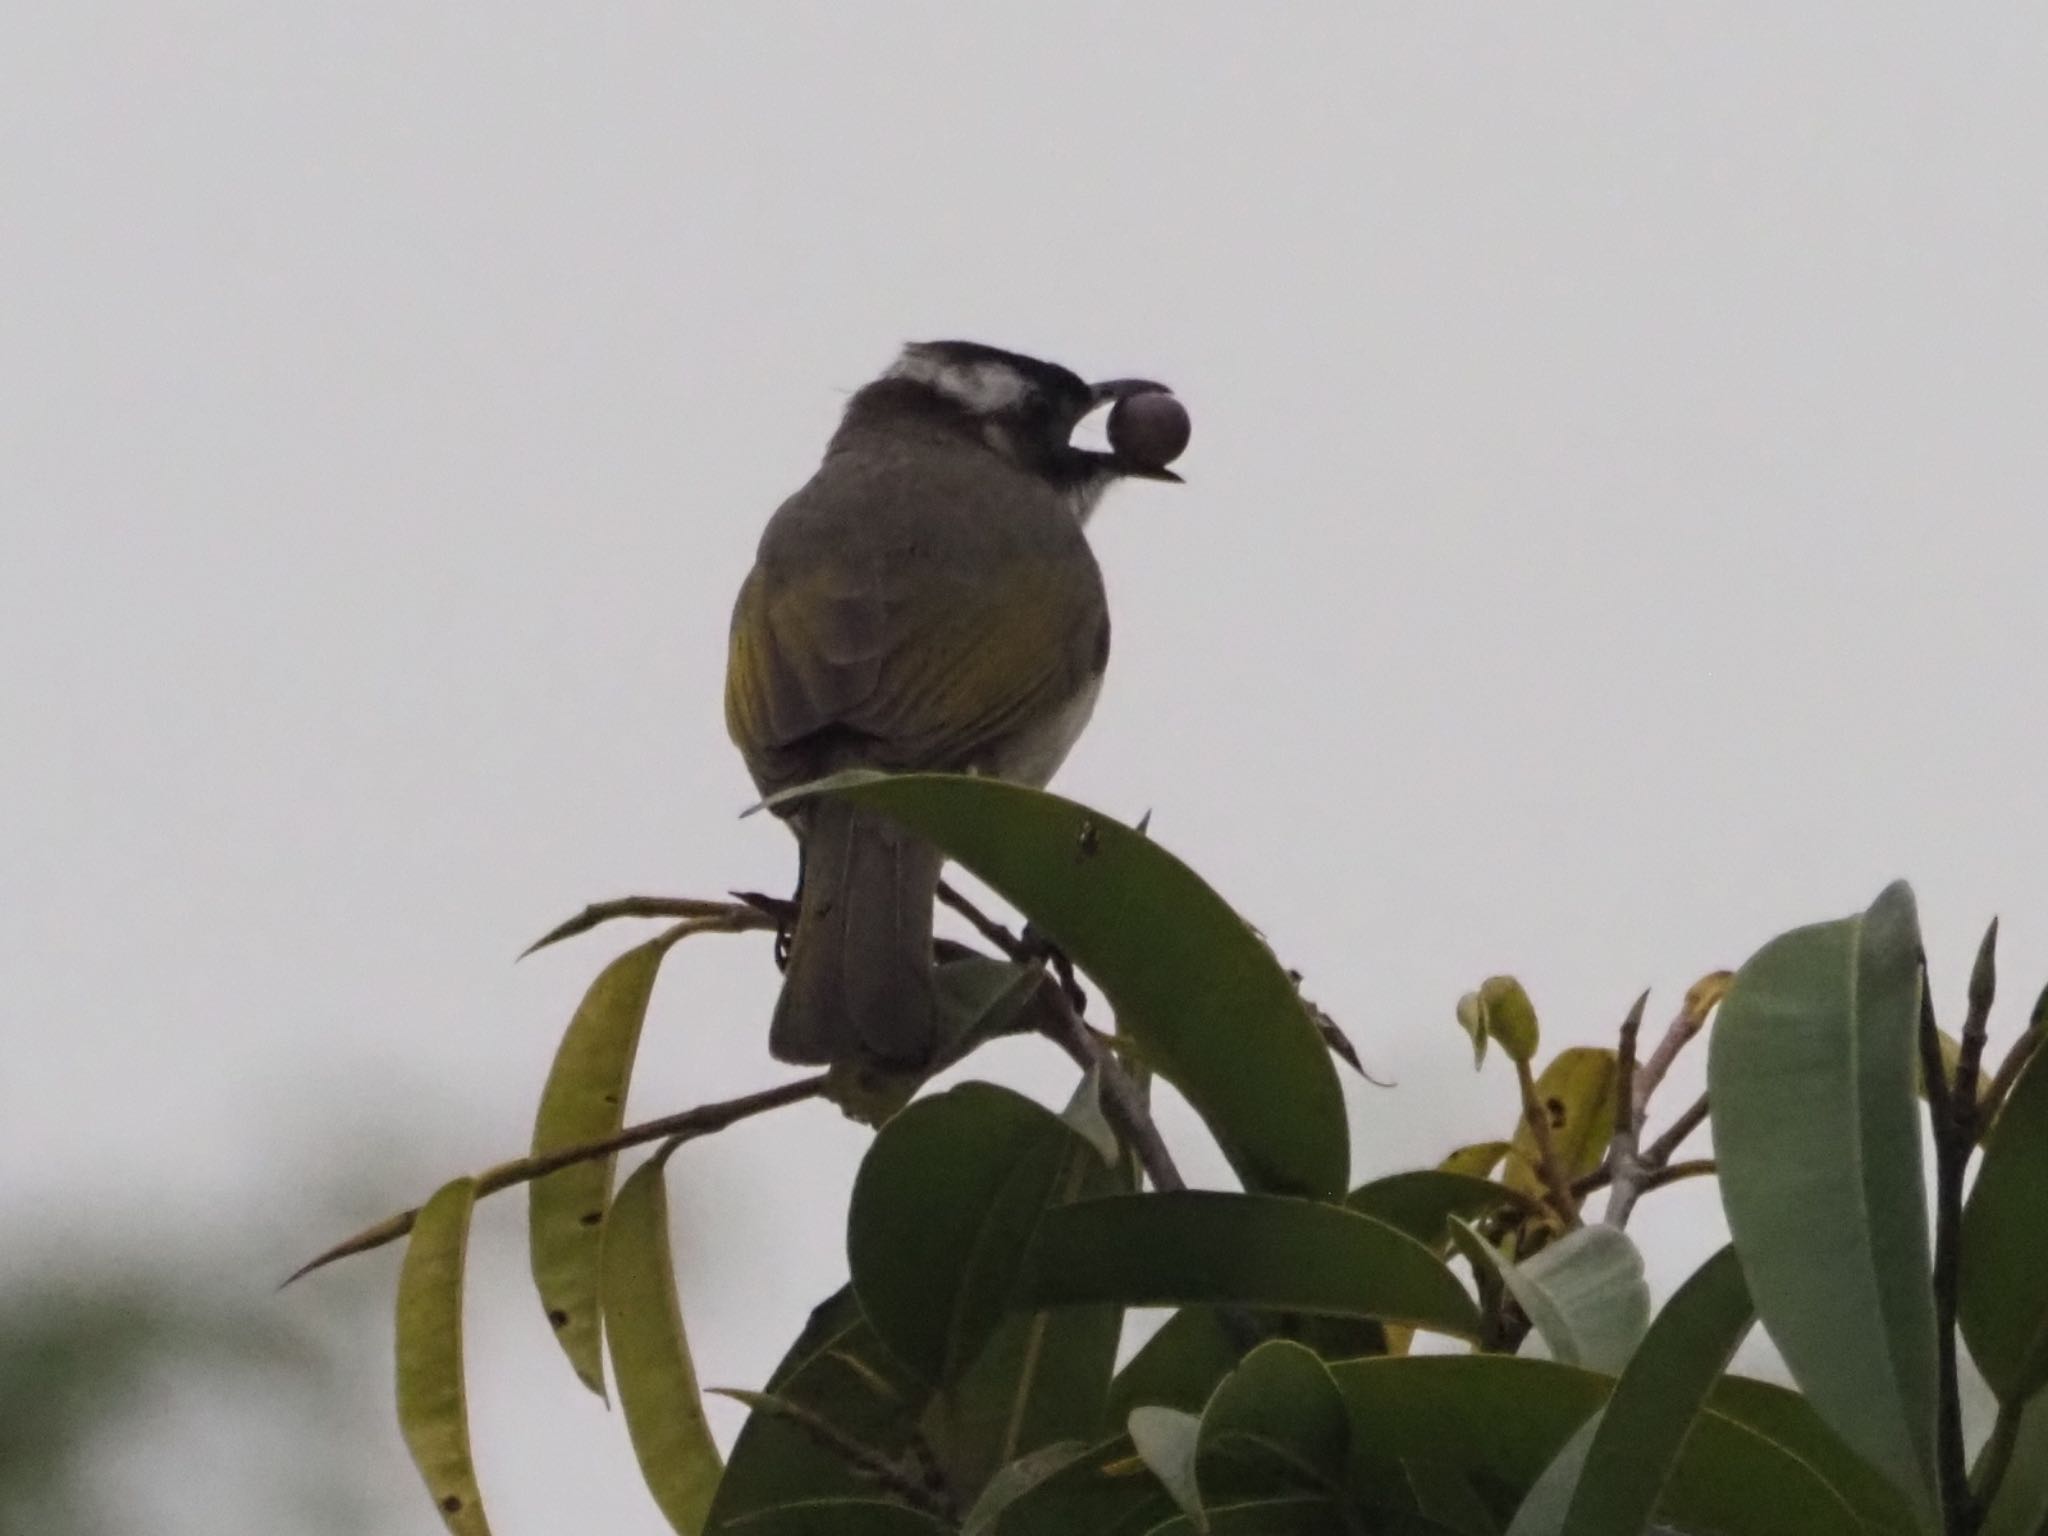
(906, 641)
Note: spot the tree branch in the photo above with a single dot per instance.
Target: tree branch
(1623, 1150)
(683, 1126)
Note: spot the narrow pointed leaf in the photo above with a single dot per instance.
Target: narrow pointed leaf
(651, 1355)
(1194, 987)
(1576, 1093)
(585, 1100)
(2004, 1297)
(1811, 1071)
(1585, 1293)
(433, 1413)
(1659, 1398)
(1257, 1251)
(1477, 1160)
(1168, 1440)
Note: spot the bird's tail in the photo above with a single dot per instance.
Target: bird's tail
(859, 983)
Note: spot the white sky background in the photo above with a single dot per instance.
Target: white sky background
(1613, 534)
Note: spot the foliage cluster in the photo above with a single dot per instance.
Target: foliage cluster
(966, 1380)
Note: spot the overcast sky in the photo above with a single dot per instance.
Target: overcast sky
(1613, 534)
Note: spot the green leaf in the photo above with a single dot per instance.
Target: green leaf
(1782, 1415)
(943, 1206)
(845, 1517)
(1168, 1441)
(1811, 1073)
(1178, 1367)
(1585, 1293)
(1197, 990)
(1015, 1480)
(1502, 1419)
(1576, 1092)
(1544, 1507)
(651, 1355)
(584, 1100)
(433, 1414)
(1084, 1116)
(839, 1371)
(1510, 1017)
(2004, 1300)
(1659, 1398)
(1257, 1251)
(1278, 1409)
(1445, 1497)
(1107, 1492)
(2020, 1506)
(1042, 1377)
(979, 999)
(1422, 1203)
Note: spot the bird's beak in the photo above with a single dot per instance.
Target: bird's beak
(1112, 390)
(1108, 392)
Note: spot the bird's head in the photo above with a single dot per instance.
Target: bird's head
(1018, 407)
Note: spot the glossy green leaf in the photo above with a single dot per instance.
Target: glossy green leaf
(1659, 1398)
(1278, 1410)
(1042, 1377)
(433, 1414)
(1585, 1293)
(1502, 1419)
(1256, 1251)
(839, 1371)
(651, 1355)
(943, 1206)
(1422, 1203)
(1168, 1441)
(2004, 1293)
(846, 1517)
(1811, 1073)
(1576, 1094)
(2020, 1505)
(1782, 1415)
(1200, 994)
(585, 1100)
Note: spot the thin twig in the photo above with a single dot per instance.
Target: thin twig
(1122, 1100)
(983, 924)
(648, 906)
(1700, 1001)
(1622, 1150)
(682, 1126)
(1554, 1181)
(859, 1457)
(1950, 1154)
(1694, 1116)
(1653, 1178)
(1970, 1043)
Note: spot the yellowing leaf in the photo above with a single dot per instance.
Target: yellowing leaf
(651, 1355)
(1477, 1160)
(1510, 1017)
(585, 1100)
(433, 1415)
(1576, 1095)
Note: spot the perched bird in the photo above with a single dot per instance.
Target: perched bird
(927, 601)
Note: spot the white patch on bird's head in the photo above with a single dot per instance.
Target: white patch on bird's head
(980, 386)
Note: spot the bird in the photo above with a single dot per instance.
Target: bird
(926, 601)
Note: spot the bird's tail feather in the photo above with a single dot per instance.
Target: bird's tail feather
(859, 982)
